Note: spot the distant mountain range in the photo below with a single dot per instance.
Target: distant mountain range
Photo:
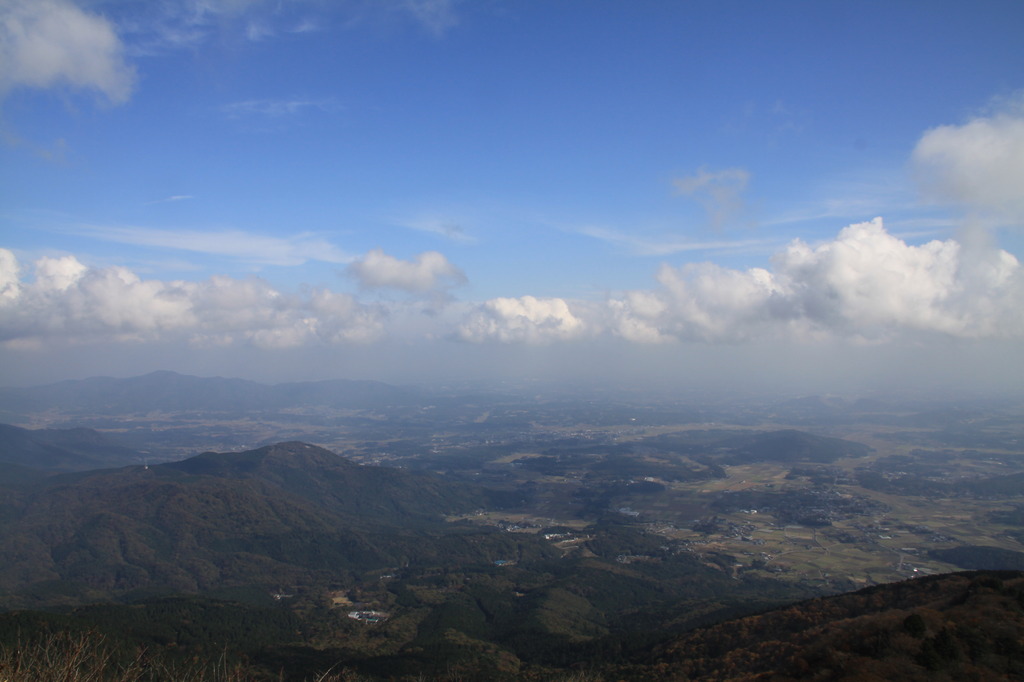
(166, 391)
(78, 449)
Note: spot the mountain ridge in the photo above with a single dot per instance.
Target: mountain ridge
(77, 449)
(954, 626)
(167, 391)
(287, 512)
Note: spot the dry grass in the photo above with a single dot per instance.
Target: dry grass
(88, 657)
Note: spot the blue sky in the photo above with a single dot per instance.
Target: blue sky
(385, 189)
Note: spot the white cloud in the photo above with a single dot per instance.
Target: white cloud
(720, 192)
(58, 274)
(868, 279)
(246, 246)
(521, 320)
(10, 277)
(69, 302)
(46, 43)
(429, 271)
(341, 319)
(866, 284)
(979, 164)
(230, 311)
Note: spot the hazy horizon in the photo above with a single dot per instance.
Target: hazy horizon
(796, 197)
(894, 375)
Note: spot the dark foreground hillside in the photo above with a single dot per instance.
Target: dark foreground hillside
(964, 626)
(961, 626)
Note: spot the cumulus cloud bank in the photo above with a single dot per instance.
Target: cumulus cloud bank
(521, 320)
(428, 271)
(45, 43)
(866, 284)
(979, 164)
(69, 302)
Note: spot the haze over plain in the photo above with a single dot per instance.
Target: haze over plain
(803, 195)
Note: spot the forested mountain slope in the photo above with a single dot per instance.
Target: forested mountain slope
(285, 514)
(962, 626)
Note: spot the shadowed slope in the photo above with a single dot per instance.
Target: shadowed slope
(285, 514)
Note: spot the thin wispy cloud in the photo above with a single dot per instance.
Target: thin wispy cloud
(237, 244)
(52, 43)
(278, 108)
(171, 199)
(437, 16)
(185, 24)
(719, 192)
(909, 229)
(55, 152)
(306, 25)
(862, 197)
(257, 31)
(156, 28)
(449, 229)
(646, 246)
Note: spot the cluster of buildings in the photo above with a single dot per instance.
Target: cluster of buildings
(368, 616)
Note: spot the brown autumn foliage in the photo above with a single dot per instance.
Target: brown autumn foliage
(965, 626)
